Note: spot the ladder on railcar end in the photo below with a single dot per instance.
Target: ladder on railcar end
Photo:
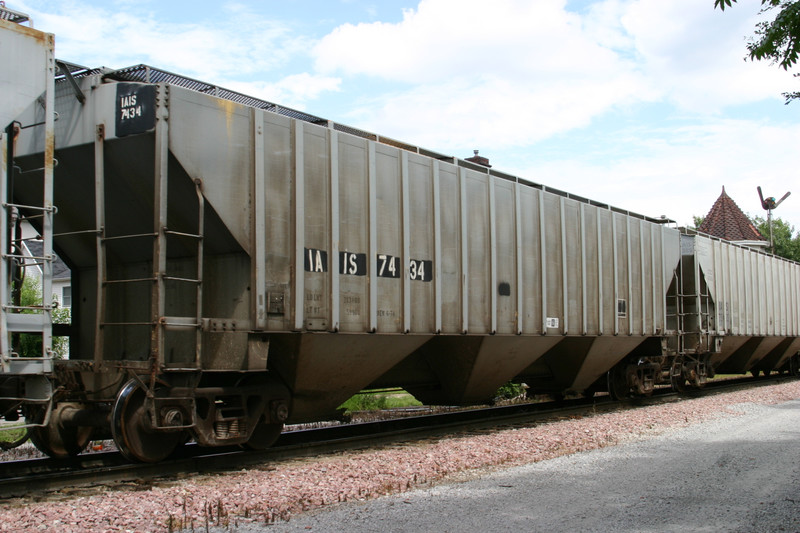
(697, 299)
(19, 318)
(691, 301)
(158, 322)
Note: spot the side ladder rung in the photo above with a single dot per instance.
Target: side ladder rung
(186, 280)
(20, 323)
(180, 322)
(132, 280)
(40, 208)
(181, 234)
(132, 236)
(36, 257)
(122, 324)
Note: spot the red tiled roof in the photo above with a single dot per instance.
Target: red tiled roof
(727, 221)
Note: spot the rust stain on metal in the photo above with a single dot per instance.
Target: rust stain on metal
(229, 107)
(49, 151)
(47, 39)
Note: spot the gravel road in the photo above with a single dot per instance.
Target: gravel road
(738, 473)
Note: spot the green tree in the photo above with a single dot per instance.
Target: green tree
(30, 345)
(786, 242)
(776, 40)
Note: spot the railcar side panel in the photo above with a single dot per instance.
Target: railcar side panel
(353, 233)
(212, 140)
(476, 259)
(506, 282)
(389, 257)
(571, 267)
(533, 274)
(451, 269)
(275, 145)
(312, 183)
(422, 206)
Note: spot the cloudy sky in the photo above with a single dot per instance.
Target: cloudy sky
(647, 105)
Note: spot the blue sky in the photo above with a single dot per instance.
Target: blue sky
(647, 105)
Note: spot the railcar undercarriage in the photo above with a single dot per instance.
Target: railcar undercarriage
(148, 420)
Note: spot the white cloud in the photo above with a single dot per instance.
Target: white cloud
(490, 111)
(292, 91)
(680, 172)
(467, 74)
(693, 54)
(464, 38)
(238, 45)
(520, 71)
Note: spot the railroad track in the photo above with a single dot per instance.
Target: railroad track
(36, 476)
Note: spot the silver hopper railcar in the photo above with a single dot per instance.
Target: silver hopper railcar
(237, 266)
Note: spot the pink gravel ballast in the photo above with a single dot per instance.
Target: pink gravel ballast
(281, 490)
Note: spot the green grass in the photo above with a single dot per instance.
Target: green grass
(377, 400)
(11, 433)
(509, 391)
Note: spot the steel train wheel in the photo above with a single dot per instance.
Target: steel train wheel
(264, 435)
(677, 377)
(618, 387)
(55, 439)
(133, 430)
(794, 365)
(679, 383)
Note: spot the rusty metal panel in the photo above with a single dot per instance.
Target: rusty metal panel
(278, 217)
(27, 56)
(27, 83)
(212, 140)
(226, 295)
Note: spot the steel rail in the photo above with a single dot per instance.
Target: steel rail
(37, 476)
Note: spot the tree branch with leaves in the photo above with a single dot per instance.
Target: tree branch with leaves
(777, 40)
